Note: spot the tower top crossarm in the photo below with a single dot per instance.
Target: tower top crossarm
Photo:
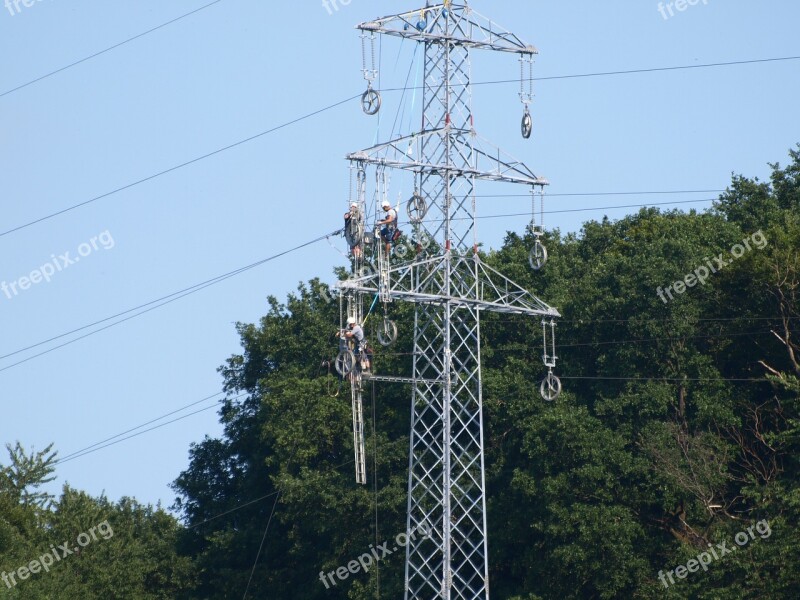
(472, 30)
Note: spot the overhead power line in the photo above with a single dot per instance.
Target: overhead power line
(261, 546)
(133, 435)
(592, 208)
(336, 104)
(150, 306)
(169, 298)
(654, 69)
(572, 210)
(237, 508)
(612, 342)
(667, 339)
(109, 49)
(615, 73)
(738, 379)
(256, 500)
(404, 88)
(105, 443)
(176, 167)
(549, 195)
(636, 321)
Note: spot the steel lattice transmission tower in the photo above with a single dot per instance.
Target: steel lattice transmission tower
(450, 288)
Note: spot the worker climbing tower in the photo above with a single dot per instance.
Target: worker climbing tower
(449, 284)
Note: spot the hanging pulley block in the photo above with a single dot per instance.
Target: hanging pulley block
(527, 125)
(537, 258)
(387, 333)
(550, 388)
(417, 208)
(371, 101)
(345, 362)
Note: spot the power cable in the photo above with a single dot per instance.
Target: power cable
(594, 208)
(163, 301)
(549, 78)
(95, 447)
(176, 167)
(549, 195)
(233, 510)
(75, 455)
(261, 546)
(663, 69)
(375, 488)
(109, 49)
(264, 497)
(572, 210)
(665, 339)
(190, 290)
(751, 380)
(634, 321)
(624, 72)
(195, 288)
(83, 451)
(266, 529)
(187, 163)
(612, 342)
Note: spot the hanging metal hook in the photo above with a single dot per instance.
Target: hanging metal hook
(550, 388)
(526, 96)
(537, 257)
(371, 99)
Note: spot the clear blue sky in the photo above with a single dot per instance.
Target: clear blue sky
(243, 66)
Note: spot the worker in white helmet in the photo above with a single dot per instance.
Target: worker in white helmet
(355, 332)
(389, 225)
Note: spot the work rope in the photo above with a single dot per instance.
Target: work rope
(375, 488)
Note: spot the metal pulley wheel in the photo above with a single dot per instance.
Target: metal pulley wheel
(371, 101)
(354, 233)
(417, 208)
(387, 333)
(345, 362)
(550, 388)
(527, 125)
(537, 257)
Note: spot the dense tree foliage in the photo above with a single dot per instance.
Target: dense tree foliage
(675, 443)
(77, 546)
(678, 428)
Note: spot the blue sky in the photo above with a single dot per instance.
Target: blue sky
(241, 67)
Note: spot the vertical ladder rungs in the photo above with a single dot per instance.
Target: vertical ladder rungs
(358, 436)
